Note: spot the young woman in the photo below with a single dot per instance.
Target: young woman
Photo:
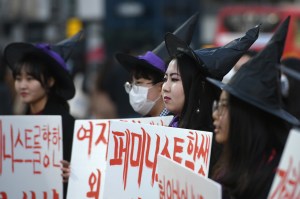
(43, 82)
(147, 71)
(187, 93)
(251, 124)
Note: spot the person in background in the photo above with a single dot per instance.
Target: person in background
(186, 92)
(251, 124)
(290, 86)
(246, 57)
(147, 71)
(44, 84)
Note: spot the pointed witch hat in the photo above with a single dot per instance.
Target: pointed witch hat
(257, 81)
(156, 59)
(214, 62)
(55, 55)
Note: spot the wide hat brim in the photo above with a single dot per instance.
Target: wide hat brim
(16, 51)
(279, 112)
(131, 63)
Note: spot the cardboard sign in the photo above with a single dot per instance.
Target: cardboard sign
(30, 154)
(176, 181)
(89, 152)
(132, 157)
(286, 182)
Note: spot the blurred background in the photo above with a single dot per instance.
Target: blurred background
(130, 26)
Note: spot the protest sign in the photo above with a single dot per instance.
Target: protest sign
(176, 181)
(286, 183)
(88, 160)
(30, 154)
(132, 157)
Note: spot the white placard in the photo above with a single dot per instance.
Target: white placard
(88, 160)
(30, 154)
(132, 157)
(286, 182)
(176, 181)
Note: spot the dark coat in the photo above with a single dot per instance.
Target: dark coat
(54, 108)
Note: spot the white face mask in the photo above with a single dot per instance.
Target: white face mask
(138, 100)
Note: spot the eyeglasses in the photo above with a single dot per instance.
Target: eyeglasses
(220, 106)
(128, 86)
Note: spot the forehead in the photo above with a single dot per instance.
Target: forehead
(173, 67)
(141, 79)
(224, 95)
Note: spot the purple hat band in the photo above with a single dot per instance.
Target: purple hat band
(46, 49)
(154, 60)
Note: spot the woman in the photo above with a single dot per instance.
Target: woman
(251, 124)
(147, 71)
(187, 93)
(43, 82)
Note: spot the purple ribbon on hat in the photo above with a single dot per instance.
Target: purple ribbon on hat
(47, 49)
(154, 60)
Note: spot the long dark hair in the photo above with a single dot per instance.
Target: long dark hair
(41, 71)
(252, 152)
(199, 95)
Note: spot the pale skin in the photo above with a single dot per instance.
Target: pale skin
(154, 93)
(31, 91)
(221, 119)
(172, 89)
(35, 95)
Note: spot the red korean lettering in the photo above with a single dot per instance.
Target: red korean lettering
(86, 133)
(203, 152)
(94, 184)
(165, 151)
(3, 195)
(192, 149)
(102, 137)
(122, 144)
(149, 163)
(177, 149)
(289, 185)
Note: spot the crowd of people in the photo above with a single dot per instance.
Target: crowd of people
(250, 113)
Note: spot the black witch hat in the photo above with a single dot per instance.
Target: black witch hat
(257, 81)
(214, 62)
(55, 55)
(156, 59)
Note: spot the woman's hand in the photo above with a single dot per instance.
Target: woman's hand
(66, 170)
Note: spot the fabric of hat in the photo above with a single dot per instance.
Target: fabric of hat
(55, 55)
(156, 59)
(214, 62)
(257, 81)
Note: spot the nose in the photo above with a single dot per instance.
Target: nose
(215, 114)
(166, 86)
(22, 84)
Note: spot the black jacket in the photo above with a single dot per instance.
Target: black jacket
(54, 108)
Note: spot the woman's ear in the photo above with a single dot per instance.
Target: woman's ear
(51, 82)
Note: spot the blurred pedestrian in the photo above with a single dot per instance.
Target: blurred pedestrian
(290, 86)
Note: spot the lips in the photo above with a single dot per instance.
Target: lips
(166, 98)
(23, 94)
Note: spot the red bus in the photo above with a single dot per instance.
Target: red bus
(233, 21)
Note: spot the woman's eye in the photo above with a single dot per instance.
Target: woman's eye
(29, 78)
(175, 79)
(165, 79)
